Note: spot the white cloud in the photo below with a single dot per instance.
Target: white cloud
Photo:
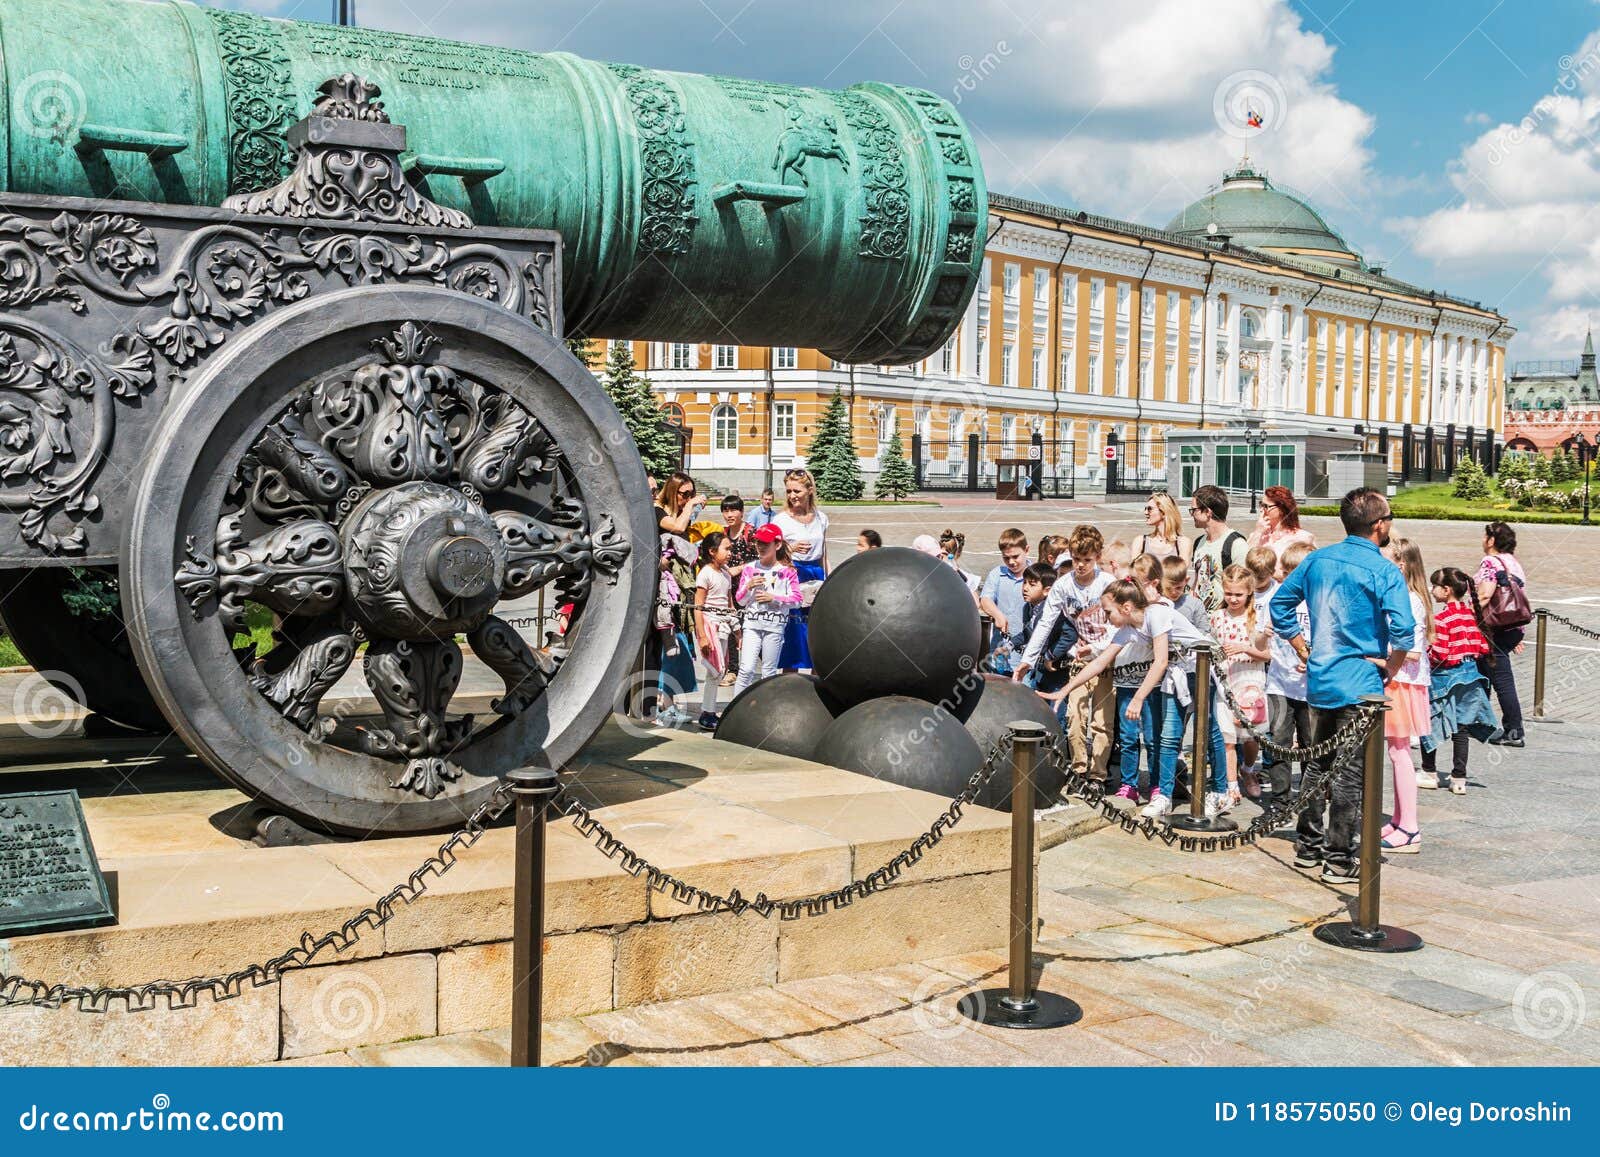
(1527, 208)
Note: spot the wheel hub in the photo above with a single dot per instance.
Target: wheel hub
(422, 561)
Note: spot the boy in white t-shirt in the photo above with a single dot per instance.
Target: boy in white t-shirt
(1136, 621)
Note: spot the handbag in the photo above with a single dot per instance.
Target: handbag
(1508, 606)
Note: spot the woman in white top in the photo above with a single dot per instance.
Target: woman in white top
(1164, 539)
(805, 533)
(1408, 716)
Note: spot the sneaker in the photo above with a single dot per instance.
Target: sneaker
(1458, 785)
(1428, 781)
(708, 721)
(729, 679)
(1307, 858)
(1510, 738)
(1333, 875)
(1234, 799)
(1157, 808)
(1126, 792)
(1216, 804)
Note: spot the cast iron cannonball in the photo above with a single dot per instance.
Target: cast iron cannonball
(786, 714)
(894, 621)
(997, 704)
(902, 740)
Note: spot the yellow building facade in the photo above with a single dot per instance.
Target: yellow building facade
(1245, 313)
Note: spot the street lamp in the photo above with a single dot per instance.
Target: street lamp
(1254, 439)
(1586, 451)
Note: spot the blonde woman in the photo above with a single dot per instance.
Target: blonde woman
(805, 532)
(1165, 538)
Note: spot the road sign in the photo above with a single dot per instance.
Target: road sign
(1111, 453)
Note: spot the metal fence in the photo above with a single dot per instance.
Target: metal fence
(1138, 467)
(1036, 468)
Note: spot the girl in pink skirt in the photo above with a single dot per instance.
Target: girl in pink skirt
(1407, 718)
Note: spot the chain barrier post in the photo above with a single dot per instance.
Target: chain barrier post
(1367, 933)
(1199, 775)
(985, 637)
(533, 788)
(1541, 634)
(1019, 1005)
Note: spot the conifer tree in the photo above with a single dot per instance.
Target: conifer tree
(831, 457)
(896, 479)
(630, 393)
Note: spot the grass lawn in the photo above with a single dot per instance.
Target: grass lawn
(1434, 500)
(9, 655)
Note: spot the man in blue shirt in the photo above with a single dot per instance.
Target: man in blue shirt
(1361, 630)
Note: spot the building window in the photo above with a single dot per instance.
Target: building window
(725, 428)
(1169, 387)
(923, 417)
(983, 357)
(1255, 468)
(1008, 364)
(1194, 383)
(673, 413)
(1147, 305)
(886, 424)
(1041, 289)
(1069, 370)
(947, 357)
(785, 357)
(1121, 370)
(783, 421)
(1249, 324)
(682, 356)
(1094, 373)
(1097, 297)
(958, 424)
(1144, 377)
(1008, 429)
(725, 357)
(1036, 369)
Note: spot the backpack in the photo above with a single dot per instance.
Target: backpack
(1228, 557)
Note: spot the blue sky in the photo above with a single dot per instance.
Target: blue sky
(1457, 142)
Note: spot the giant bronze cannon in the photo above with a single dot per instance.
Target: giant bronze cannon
(279, 355)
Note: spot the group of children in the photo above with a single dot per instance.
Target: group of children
(1110, 637)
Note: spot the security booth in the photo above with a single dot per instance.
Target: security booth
(1014, 479)
(1246, 459)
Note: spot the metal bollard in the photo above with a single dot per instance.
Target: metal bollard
(1196, 820)
(534, 788)
(1541, 618)
(1367, 933)
(985, 637)
(1018, 1005)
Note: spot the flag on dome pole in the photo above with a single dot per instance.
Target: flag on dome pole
(1252, 118)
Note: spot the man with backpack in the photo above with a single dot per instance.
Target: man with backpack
(1218, 548)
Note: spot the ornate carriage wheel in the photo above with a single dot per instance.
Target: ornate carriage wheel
(378, 468)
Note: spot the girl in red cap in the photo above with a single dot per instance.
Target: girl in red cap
(768, 588)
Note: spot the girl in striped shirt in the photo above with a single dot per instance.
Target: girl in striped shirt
(1458, 693)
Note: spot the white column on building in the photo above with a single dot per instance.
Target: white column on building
(1209, 386)
(1230, 383)
(1272, 397)
(967, 363)
(1303, 361)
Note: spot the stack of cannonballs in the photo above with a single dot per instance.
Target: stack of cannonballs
(898, 694)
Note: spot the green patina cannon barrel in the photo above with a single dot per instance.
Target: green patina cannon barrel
(692, 207)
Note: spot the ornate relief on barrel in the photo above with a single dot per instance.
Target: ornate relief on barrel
(666, 156)
(886, 224)
(260, 99)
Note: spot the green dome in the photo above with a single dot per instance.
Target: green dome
(1250, 212)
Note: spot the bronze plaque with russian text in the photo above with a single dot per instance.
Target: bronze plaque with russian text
(49, 877)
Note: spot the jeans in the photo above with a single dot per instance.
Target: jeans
(758, 656)
(1172, 740)
(1335, 843)
(1289, 724)
(1503, 679)
(1146, 728)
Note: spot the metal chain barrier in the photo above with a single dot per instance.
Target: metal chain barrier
(183, 993)
(1571, 626)
(684, 892)
(1313, 781)
(180, 994)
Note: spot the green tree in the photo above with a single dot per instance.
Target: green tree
(1470, 481)
(1564, 467)
(1542, 470)
(896, 479)
(831, 457)
(630, 393)
(582, 348)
